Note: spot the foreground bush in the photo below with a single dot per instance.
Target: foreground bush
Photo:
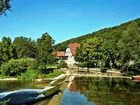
(15, 67)
(30, 74)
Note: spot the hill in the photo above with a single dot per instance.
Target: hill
(102, 33)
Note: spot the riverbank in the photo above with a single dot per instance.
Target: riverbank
(41, 77)
(104, 76)
(9, 79)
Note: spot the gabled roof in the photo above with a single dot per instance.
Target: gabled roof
(73, 47)
(60, 53)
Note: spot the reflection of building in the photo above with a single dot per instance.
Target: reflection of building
(69, 54)
(73, 97)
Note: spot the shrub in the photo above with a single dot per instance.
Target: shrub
(54, 74)
(62, 64)
(83, 64)
(15, 67)
(30, 74)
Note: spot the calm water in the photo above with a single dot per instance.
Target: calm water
(15, 85)
(102, 91)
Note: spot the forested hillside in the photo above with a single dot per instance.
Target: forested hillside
(62, 46)
(102, 32)
(116, 47)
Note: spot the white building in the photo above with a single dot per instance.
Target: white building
(70, 53)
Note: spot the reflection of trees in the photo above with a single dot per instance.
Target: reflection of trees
(109, 91)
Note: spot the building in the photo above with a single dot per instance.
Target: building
(61, 55)
(69, 54)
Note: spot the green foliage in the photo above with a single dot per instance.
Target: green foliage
(89, 52)
(115, 47)
(15, 67)
(62, 46)
(4, 6)
(30, 74)
(3, 76)
(44, 51)
(5, 53)
(62, 64)
(23, 53)
(54, 74)
(24, 48)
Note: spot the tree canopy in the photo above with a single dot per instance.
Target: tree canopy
(4, 6)
(116, 47)
(19, 55)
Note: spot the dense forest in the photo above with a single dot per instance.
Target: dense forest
(62, 46)
(114, 47)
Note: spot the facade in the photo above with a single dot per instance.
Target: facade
(69, 54)
(61, 55)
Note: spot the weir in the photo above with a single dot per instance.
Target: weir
(24, 96)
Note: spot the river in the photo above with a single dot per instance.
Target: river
(88, 91)
(102, 91)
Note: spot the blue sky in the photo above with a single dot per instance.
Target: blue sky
(65, 19)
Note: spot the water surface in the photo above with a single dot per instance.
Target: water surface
(15, 85)
(102, 91)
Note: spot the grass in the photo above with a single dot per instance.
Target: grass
(3, 76)
(54, 74)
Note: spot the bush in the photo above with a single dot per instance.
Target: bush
(15, 67)
(54, 74)
(62, 64)
(30, 74)
(83, 64)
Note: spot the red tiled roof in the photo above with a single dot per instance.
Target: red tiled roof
(60, 53)
(73, 47)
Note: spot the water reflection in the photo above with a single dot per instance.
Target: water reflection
(72, 96)
(102, 91)
(14, 85)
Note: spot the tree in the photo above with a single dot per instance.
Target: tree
(24, 48)
(119, 47)
(4, 6)
(5, 49)
(44, 50)
(129, 46)
(89, 52)
(110, 49)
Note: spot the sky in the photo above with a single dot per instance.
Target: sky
(65, 19)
